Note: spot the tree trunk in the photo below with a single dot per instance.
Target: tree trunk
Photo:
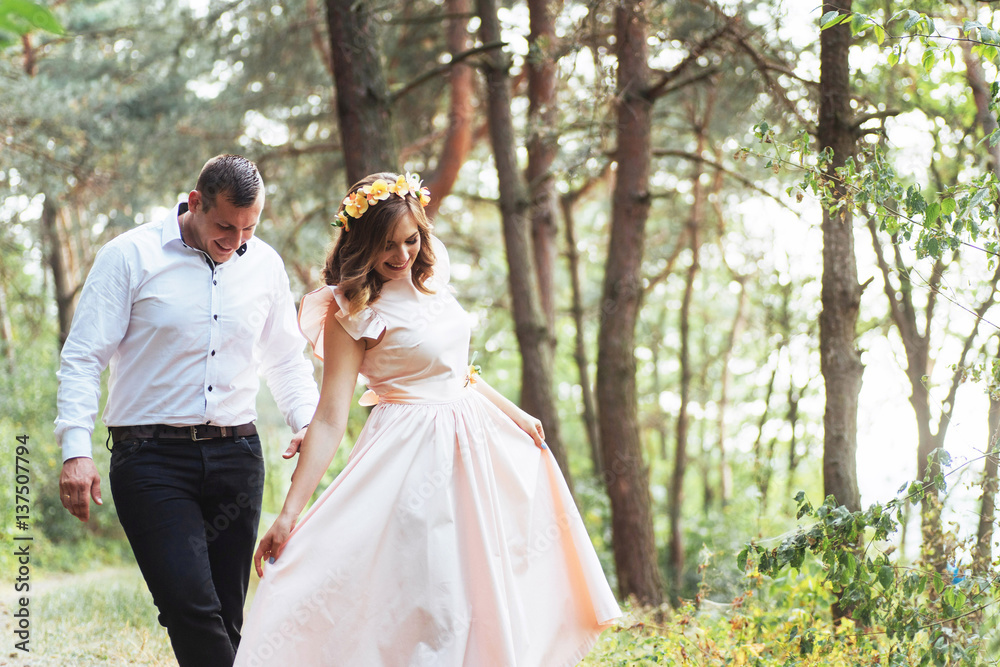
(676, 493)
(580, 345)
(363, 105)
(6, 330)
(982, 97)
(841, 293)
(840, 360)
(64, 292)
(656, 354)
(792, 416)
(762, 464)
(529, 322)
(461, 77)
(725, 472)
(983, 553)
(542, 148)
(705, 459)
(625, 471)
(917, 345)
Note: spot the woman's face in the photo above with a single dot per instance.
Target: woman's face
(401, 248)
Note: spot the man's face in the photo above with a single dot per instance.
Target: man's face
(223, 228)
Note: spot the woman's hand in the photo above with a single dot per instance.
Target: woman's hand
(271, 544)
(531, 426)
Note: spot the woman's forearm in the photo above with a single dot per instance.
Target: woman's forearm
(317, 452)
(496, 398)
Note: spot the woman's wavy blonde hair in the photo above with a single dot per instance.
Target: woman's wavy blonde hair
(351, 262)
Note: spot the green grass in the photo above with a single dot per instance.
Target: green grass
(95, 619)
(107, 618)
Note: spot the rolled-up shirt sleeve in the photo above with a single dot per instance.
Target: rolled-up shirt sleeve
(288, 372)
(99, 324)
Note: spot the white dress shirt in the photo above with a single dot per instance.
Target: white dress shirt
(184, 338)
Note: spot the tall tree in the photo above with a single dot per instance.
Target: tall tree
(625, 470)
(461, 77)
(919, 363)
(567, 202)
(529, 321)
(363, 103)
(840, 360)
(693, 227)
(542, 148)
(982, 557)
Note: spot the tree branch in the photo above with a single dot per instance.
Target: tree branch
(890, 291)
(716, 165)
(956, 378)
(442, 68)
(658, 89)
(880, 115)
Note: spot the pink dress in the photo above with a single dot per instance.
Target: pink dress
(448, 539)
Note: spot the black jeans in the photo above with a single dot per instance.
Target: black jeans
(190, 511)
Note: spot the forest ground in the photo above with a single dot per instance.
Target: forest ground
(105, 617)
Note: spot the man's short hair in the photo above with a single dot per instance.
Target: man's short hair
(231, 175)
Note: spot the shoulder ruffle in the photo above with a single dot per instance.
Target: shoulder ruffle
(442, 263)
(313, 311)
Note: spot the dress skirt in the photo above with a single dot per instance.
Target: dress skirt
(448, 540)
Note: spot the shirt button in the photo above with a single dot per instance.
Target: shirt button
(215, 317)
(213, 353)
(210, 387)
(215, 282)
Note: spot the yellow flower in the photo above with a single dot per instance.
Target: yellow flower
(377, 191)
(342, 219)
(401, 187)
(355, 206)
(425, 196)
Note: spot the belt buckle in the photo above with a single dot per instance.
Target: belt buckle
(194, 434)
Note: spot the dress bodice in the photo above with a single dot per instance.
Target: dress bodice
(423, 356)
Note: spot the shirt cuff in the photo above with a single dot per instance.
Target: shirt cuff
(301, 417)
(76, 443)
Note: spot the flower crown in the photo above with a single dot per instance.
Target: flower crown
(356, 203)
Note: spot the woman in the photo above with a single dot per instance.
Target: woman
(450, 538)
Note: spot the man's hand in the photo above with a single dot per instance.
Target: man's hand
(293, 447)
(78, 483)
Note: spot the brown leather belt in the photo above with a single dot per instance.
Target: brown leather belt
(194, 433)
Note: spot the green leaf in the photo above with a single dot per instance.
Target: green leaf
(893, 59)
(948, 206)
(886, 575)
(915, 18)
(932, 213)
(741, 560)
(977, 198)
(858, 23)
(928, 60)
(970, 25)
(879, 33)
(32, 14)
(830, 19)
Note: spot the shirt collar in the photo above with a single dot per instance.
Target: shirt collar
(171, 229)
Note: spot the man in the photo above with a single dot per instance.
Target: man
(186, 310)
